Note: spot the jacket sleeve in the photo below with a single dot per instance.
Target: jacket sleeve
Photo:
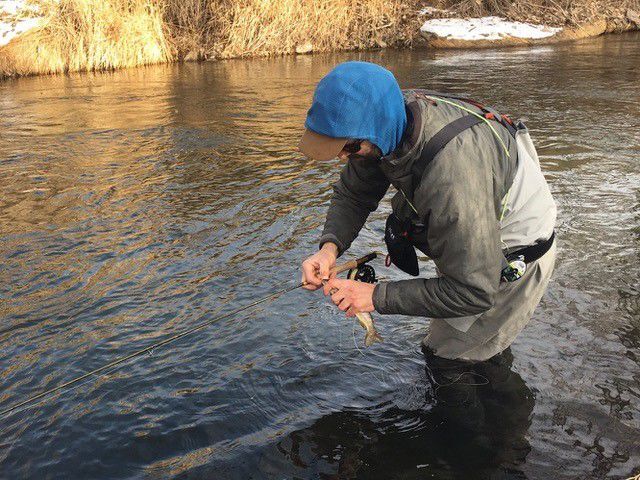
(456, 195)
(356, 194)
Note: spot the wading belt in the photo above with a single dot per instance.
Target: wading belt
(533, 252)
(516, 262)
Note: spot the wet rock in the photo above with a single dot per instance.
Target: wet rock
(634, 17)
(195, 55)
(304, 48)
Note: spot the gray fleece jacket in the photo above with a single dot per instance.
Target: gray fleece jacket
(459, 200)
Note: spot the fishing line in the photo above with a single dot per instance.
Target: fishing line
(355, 344)
(147, 349)
(67, 385)
(485, 381)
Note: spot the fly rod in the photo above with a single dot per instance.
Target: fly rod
(338, 269)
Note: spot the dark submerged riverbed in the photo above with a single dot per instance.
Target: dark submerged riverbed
(138, 203)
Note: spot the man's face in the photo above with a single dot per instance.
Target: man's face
(366, 151)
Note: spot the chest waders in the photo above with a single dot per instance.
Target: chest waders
(398, 232)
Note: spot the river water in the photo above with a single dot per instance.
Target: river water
(137, 203)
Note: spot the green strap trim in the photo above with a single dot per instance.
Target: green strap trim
(504, 204)
(409, 202)
(486, 120)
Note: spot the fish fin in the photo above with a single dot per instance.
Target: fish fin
(371, 338)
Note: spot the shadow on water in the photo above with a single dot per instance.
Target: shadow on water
(475, 428)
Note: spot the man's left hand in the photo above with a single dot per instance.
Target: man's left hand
(351, 296)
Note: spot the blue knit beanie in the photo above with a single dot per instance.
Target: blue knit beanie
(359, 100)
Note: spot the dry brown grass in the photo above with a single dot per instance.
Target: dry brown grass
(89, 35)
(551, 12)
(237, 28)
(267, 27)
(192, 26)
(107, 34)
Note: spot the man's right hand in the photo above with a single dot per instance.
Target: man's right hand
(316, 268)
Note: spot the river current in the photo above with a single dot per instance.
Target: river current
(138, 203)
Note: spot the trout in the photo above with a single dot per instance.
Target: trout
(364, 318)
(366, 321)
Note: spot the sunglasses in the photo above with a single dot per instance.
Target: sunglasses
(353, 146)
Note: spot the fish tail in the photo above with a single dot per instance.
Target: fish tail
(372, 337)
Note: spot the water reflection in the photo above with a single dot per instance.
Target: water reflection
(137, 203)
(475, 427)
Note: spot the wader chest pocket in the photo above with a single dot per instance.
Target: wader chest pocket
(418, 237)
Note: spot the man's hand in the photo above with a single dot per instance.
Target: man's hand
(351, 296)
(316, 268)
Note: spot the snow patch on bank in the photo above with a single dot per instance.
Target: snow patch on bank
(485, 28)
(16, 18)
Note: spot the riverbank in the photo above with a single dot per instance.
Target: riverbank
(49, 36)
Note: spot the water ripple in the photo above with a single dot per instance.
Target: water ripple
(137, 204)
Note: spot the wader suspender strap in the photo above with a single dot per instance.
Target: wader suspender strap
(431, 149)
(439, 141)
(451, 130)
(488, 112)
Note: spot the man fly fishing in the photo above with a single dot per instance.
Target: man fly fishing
(470, 195)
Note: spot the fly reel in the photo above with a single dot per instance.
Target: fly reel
(364, 273)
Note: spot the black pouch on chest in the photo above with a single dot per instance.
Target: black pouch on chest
(401, 250)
